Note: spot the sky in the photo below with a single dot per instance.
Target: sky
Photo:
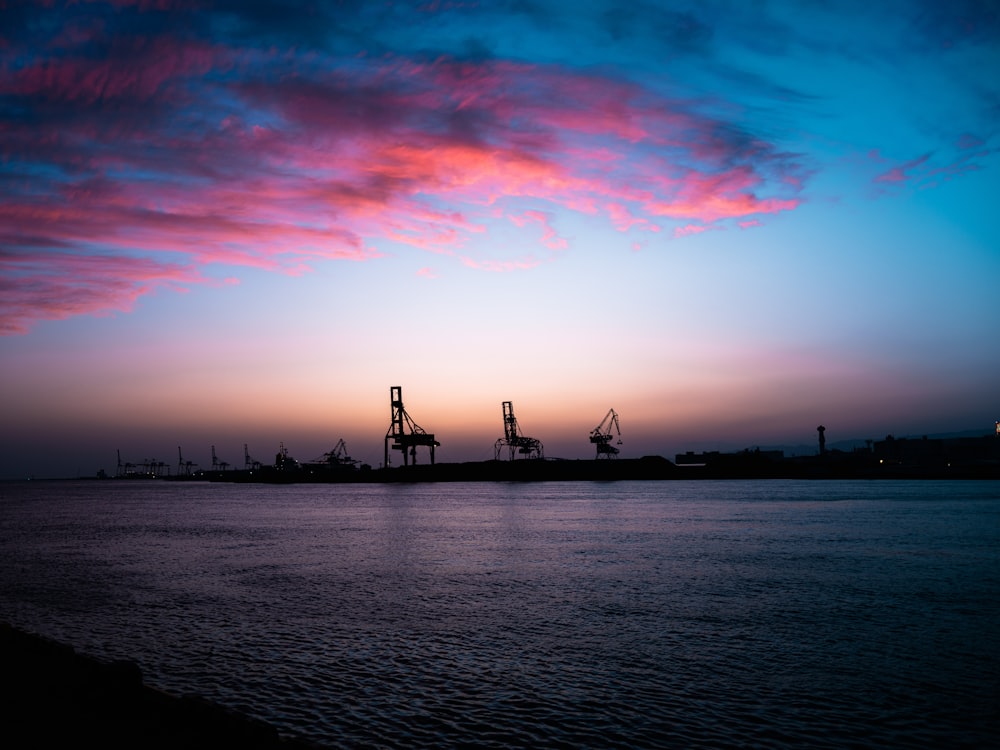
(239, 223)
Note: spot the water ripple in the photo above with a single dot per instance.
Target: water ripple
(696, 615)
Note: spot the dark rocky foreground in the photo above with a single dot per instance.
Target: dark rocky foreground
(53, 697)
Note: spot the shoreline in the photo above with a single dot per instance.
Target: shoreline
(648, 468)
(56, 697)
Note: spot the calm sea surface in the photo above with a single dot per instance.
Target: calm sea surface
(628, 614)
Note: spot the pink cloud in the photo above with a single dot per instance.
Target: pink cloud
(967, 141)
(689, 230)
(921, 174)
(331, 165)
(624, 220)
(137, 68)
(550, 237)
(900, 173)
(55, 286)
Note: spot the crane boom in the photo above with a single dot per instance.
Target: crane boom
(401, 440)
(513, 440)
(601, 436)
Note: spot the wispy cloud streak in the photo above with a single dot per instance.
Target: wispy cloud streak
(55, 286)
(142, 141)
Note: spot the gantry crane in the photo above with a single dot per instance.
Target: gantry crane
(132, 470)
(149, 467)
(218, 465)
(250, 464)
(124, 469)
(402, 440)
(513, 440)
(601, 435)
(338, 456)
(183, 467)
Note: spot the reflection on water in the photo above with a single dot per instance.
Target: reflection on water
(714, 614)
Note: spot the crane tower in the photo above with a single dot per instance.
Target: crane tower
(218, 465)
(402, 440)
(184, 467)
(513, 440)
(601, 435)
(249, 463)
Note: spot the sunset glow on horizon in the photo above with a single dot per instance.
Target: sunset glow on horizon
(227, 224)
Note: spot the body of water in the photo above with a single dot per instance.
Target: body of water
(604, 615)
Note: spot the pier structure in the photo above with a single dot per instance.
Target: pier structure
(942, 457)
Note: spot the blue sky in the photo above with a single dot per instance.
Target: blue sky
(226, 223)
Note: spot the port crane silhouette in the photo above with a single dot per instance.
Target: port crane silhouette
(218, 465)
(402, 440)
(601, 435)
(123, 469)
(149, 467)
(249, 463)
(338, 456)
(184, 467)
(513, 440)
